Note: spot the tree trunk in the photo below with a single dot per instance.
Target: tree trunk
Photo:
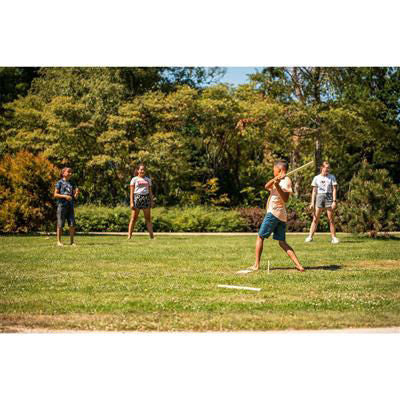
(317, 155)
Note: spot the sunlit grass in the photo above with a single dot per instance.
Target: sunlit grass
(108, 283)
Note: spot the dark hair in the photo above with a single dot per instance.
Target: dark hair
(324, 163)
(63, 170)
(137, 169)
(282, 164)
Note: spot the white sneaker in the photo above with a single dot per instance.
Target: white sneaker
(309, 239)
(335, 240)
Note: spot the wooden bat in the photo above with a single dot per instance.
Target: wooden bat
(299, 168)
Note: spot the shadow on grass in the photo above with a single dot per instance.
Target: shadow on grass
(390, 237)
(333, 267)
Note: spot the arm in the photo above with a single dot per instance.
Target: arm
(334, 194)
(283, 195)
(269, 184)
(132, 203)
(274, 180)
(57, 195)
(151, 197)
(313, 195)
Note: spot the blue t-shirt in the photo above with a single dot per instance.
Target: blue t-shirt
(68, 188)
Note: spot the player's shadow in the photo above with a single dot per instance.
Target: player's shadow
(390, 237)
(332, 267)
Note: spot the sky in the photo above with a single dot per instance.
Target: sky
(237, 75)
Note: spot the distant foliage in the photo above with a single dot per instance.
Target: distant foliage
(26, 192)
(373, 202)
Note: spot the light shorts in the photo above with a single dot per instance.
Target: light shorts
(270, 225)
(324, 200)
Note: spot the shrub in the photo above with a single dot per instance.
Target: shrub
(253, 217)
(373, 202)
(91, 218)
(26, 192)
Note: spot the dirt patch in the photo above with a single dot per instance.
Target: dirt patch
(376, 264)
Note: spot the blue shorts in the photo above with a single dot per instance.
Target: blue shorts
(270, 225)
(65, 212)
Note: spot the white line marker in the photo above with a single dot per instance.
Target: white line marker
(245, 271)
(239, 287)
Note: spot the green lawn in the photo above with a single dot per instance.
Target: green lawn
(170, 284)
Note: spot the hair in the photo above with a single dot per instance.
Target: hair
(324, 164)
(63, 170)
(137, 169)
(282, 164)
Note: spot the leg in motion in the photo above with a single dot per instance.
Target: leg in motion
(292, 255)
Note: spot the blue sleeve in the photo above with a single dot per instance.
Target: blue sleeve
(58, 185)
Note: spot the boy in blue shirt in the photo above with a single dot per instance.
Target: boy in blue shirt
(65, 193)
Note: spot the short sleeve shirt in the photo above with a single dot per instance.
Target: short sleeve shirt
(276, 205)
(324, 184)
(142, 185)
(66, 188)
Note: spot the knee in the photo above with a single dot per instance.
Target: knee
(148, 220)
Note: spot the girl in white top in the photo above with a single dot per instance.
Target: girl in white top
(141, 198)
(323, 196)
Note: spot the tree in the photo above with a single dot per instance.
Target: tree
(26, 192)
(373, 202)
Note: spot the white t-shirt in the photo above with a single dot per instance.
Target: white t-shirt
(324, 183)
(275, 204)
(142, 185)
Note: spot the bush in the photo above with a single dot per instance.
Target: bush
(373, 202)
(26, 192)
(253, 217)
(91, 218)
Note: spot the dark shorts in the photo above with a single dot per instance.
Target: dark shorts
(324, 200)
(65, 213)
(141, 201)
(270, 225)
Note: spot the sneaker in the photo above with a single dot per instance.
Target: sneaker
(335, 240)
(309, 239)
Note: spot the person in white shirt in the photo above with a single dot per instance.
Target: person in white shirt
(323, 196)
(141, 198)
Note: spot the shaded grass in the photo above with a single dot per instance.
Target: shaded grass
(108, 283)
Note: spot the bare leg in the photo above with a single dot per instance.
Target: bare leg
(332, 228)
(259, 250)
(71, 234)
(315, 221)
(147, 217)
(292, 255)
(59, 234)
(132, 222)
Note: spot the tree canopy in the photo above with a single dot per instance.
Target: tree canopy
(201, 141)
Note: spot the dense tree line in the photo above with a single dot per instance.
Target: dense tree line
(202, 142)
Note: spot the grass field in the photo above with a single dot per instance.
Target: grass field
(170, 284)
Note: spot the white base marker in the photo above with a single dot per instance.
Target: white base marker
(245, 271)
(239, 287)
